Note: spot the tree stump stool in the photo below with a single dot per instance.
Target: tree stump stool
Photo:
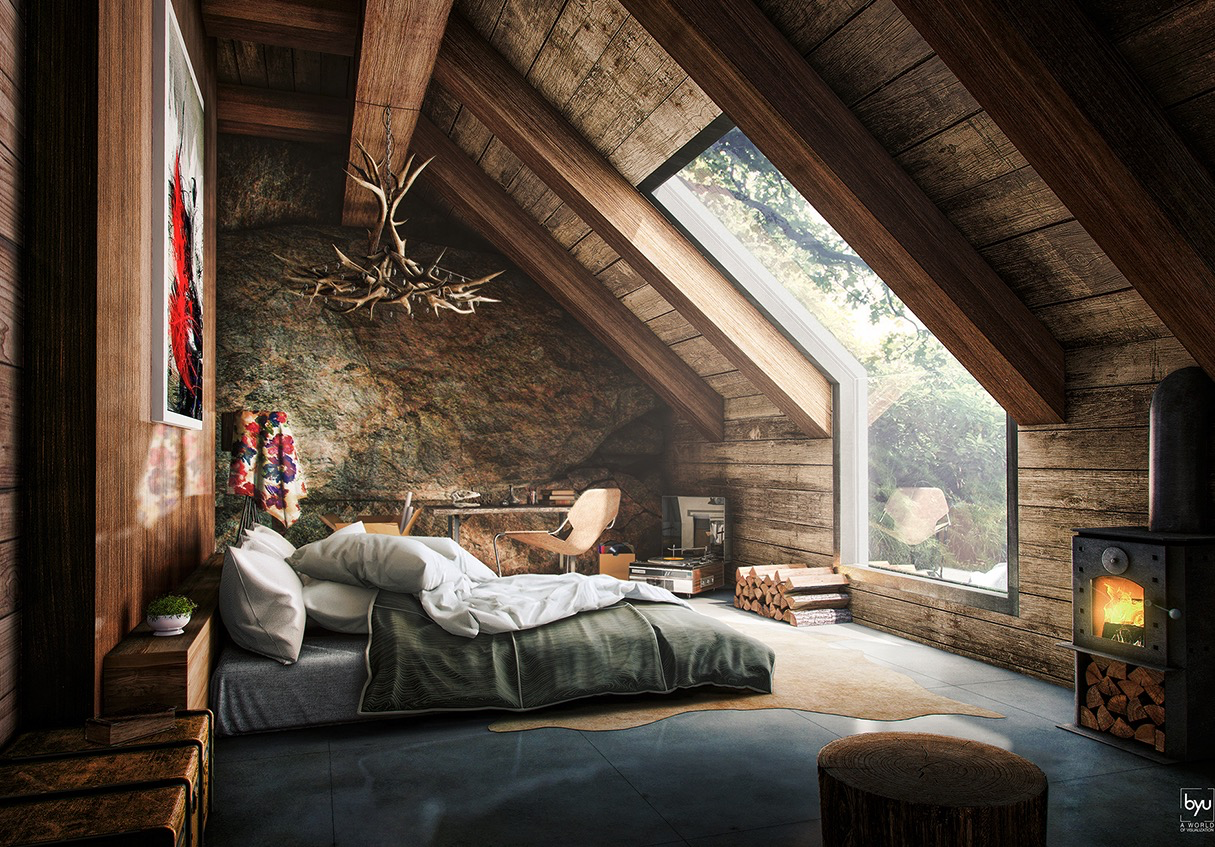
(903, 788)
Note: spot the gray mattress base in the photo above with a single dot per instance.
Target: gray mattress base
(250, 693)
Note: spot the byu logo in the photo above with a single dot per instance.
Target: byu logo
(1197, 804)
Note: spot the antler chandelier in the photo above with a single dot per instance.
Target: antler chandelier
(386, 275)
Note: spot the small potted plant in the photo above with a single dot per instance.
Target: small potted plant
(169, 615)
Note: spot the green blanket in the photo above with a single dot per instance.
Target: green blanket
(629, 648)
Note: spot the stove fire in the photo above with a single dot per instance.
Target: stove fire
(1120, 617)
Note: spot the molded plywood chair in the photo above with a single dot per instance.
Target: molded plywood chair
(593, 512)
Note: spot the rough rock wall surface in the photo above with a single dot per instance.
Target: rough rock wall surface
(518, 394)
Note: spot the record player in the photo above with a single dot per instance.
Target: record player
(694, 547)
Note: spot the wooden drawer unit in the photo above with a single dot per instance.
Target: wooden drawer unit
(144, 669)
(55, 786)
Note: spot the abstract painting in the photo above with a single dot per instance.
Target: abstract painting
(177, 262)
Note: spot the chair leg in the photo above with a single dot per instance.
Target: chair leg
(498, 561)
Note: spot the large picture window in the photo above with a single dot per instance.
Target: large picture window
(924, 450)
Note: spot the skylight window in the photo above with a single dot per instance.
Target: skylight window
(924, 449)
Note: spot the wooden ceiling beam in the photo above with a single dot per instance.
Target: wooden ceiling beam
(327, 26)
(1080, 116)
(546, 142)
(264, 112)
(752, 72)
(533, 249)
(396, 55)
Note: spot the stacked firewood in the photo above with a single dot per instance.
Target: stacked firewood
(795, 593)
(1127, 703)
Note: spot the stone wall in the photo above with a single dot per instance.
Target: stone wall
(517, 394)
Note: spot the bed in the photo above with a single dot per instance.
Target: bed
(419, 658)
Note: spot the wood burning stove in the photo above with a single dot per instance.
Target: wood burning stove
(1145, 670)
(1142, 626)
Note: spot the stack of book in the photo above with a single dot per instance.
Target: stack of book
(562, 497)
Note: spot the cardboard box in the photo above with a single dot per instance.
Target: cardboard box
(616, 564)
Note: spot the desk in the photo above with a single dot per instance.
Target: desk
(455, 514)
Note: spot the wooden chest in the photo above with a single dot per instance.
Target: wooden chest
(55, 786)
(145, 669)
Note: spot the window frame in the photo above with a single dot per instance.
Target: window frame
(850, 425)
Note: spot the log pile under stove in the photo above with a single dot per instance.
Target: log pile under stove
(795, 593)
(1127, 703)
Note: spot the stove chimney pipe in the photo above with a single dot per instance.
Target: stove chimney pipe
(1179, 465)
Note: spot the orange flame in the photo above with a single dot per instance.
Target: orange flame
(1123, 607)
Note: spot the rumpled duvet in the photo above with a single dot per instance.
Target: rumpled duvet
(457, 590)
(472, 600)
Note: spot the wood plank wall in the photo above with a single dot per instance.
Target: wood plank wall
(12, 134)
(163, 526)
(124, 508)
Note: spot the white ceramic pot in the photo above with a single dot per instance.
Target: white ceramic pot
(168, 624)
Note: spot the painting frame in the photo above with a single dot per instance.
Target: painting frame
(179, 226)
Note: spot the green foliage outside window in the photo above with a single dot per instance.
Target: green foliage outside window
(931, 424)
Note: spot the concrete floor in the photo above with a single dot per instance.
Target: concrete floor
(708, 778)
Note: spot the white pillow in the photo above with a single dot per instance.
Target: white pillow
(269, 538)
(355, 528)
(339, 607)
(392, 562)
(259, 543)
(261, 601)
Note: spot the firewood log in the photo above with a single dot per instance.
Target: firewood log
(812, 582)
(1094, 699)
(1146, 733)
(1159, 741)
(1101, 662)
(1088, 719)
(1146, 676)
(1104, 719)
(1116, 670)
(1122, 729)
(761, 571)
(1117, 704)
(1093, 674)
(1156, 713)
(1135, 711)
(816, 601)
(1156, 692)
(1130, 688)
(1107, 686)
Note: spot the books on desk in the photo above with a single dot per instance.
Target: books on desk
(562, 497)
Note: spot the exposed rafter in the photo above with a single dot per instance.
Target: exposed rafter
(1068, 101)
(396, 55)
(245, 110)
(752, 72)
(545, 141)
(487, 206)
(327, 26)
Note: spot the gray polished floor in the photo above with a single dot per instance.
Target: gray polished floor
(708, 778)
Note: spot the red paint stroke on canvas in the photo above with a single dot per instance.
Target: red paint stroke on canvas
(183, 322)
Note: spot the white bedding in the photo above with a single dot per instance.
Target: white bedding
(458, 591)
